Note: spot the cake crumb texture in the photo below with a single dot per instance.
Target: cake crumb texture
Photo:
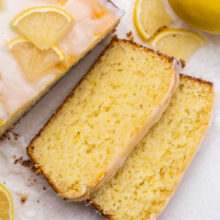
(99, 122)
(143, 186)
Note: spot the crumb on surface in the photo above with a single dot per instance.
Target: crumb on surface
(3, 137)
(38, 172)
(129, 35)
(23, 197)
(114, 30)
(15, 135)
(9, 136)
(27, 163)
(18, 160)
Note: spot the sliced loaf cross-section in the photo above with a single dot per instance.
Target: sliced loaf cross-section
(108, 113)
(144, 185)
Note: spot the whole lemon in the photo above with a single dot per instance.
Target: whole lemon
(201, 14)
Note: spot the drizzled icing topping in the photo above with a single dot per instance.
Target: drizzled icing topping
(91, 19)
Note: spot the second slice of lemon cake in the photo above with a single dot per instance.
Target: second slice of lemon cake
(150, 175)
(106, 115)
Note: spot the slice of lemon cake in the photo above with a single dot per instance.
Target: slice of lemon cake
(34, 56)
(107, 114)
(143, 186)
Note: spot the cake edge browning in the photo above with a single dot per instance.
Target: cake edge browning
(177, 65)
(196, 80)
(99, 210)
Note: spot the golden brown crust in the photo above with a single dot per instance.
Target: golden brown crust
(198, 80)
(148, 49)
(201, 81)
(115, 39)
(99, 210)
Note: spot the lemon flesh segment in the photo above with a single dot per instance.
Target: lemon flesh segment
(149, 16)
(43, 26)
(201, 14)
(33, 61)
(178, 43)
(6, 204)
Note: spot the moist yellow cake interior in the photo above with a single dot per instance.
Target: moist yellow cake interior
(142, 188)
(102, 115)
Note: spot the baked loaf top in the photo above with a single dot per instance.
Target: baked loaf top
(92, 21)
(107, 114)
(143, 186)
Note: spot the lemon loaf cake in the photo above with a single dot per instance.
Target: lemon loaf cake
(39, 41)
(143, 186)
(107, 114)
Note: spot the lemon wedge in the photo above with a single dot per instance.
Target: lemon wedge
(149, 16)
(43, 26)
(178, 43)
(34, 62)
(6, 204)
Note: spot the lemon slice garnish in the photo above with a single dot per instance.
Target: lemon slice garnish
(43, 26)
(178, 43)
(149, 16)
(6, 204)
(34, 62)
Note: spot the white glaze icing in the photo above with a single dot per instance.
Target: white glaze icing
(15, 89)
